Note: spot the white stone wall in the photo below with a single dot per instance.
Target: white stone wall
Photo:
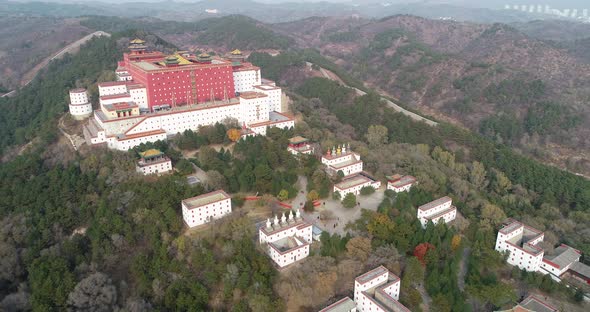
(206, 213)
(274, 96)
(245, 80)
(78, 98)
(285, 259)
(178, 122)
(139, 96)
(305, 233)
(356, 190)
(332, 161)
(359, 288)
(546, 268)
(118, 126)
(446, 218)
(121, 99)
(261, 130)
(524, 260)
(393, 290)
(110, 90)
(254, 110)
(157, 167)
(348, 170)
(80, 111)
(404, 188)
(127, 144)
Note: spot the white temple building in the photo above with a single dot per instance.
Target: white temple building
(205, 208)
(521, 242)
(287, 240)
(355, 183)
(437, 210)
(375, 291)
(80, 107)
(153, 161)
(399, 183)
(341, 158)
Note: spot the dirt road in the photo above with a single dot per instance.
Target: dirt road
(70, 48)
(330, 75)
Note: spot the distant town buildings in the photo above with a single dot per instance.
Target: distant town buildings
(521, 242)
(375, 291)
(437, 210)
(204, 208)
(353, 184)
(299, 145)
(399, 183)
(158, 95)
(80, 106)
(288, 239)
(342, 159)
(153, 161)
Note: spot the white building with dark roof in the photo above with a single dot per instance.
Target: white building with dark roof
(287, 240)
(353, 184)
(560, 260)
(205, 208)
(437, 210)
(399, 183)
(375, 291)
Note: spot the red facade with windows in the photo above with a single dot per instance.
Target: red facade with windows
(181, 84)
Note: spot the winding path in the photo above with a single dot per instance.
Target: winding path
(463, 268)
(394, 106)
(70, 48)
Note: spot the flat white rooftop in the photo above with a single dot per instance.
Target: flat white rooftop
(205, 199)
(342, 305)
(435, 203)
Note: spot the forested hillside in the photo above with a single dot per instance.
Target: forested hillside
(86, 232)
(490, 78)
(26, 40)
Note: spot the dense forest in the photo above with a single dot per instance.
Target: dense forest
(90, 234)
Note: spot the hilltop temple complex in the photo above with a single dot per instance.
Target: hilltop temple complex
(158, 95)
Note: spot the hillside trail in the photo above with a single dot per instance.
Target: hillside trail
(70, 48)
(463, 268)
(331, 75)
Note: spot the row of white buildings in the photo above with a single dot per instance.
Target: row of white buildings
(286, 240)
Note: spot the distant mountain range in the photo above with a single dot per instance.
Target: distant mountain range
(275, 11)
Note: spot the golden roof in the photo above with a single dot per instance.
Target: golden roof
(236, 52)
(150, 153)
(181, 59)
(137, 41)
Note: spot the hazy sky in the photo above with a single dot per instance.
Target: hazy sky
(562, 4)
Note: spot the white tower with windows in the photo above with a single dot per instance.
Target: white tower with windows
(80, 107)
